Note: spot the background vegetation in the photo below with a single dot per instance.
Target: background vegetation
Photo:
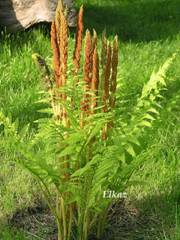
(149, 34)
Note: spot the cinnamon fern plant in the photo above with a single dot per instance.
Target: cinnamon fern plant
(82, 147)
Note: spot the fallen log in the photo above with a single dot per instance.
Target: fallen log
(20, 14)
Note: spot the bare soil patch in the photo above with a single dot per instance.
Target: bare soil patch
(125, 222)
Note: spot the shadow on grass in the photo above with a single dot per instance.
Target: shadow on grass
(148, 219)
(135, 20)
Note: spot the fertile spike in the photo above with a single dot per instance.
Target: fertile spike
(88, 59)
(63, 45)
(104, 49)
(79, 38)
(95, 78)
(107, 77)
(56, 55)
(107, 87)
(114, 70)
(59, 9)
(85, 104)
(94, 39)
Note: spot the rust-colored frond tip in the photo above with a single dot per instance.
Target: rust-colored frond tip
(95, 78)
(87, 71)
(79, 39)
(88, 58)
(59, 10)
(114, 64)
(115, 55)
(104, 49)
(95, 39)
(63, 45)
(115, 44)
(108, 71)
(55, 48)
(95, 74)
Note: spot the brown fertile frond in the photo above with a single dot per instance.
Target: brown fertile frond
(88, 59)
(106, 88)
(95, 77)
(63, 45)
(78, 43)
(107, 72)
(114, 70)
(56, 55)
(95, 38)
(104, 49)
(95, 73)
(107, 75)
(87, 70)
(59, 9)
(103, 60)
(60, 4)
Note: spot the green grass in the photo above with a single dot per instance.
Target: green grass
(8, 234)
(149, 34)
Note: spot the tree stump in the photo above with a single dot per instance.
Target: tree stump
(20, 14)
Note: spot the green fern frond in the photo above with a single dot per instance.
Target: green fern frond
(157, 79)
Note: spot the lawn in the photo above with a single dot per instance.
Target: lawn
(148, 33)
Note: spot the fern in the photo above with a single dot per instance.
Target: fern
(112, 163)
(114, 168)
(80, 150)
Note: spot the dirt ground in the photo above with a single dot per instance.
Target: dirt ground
(125, 222)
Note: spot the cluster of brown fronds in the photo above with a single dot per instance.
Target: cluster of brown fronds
(99, 75)
(96, 78)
